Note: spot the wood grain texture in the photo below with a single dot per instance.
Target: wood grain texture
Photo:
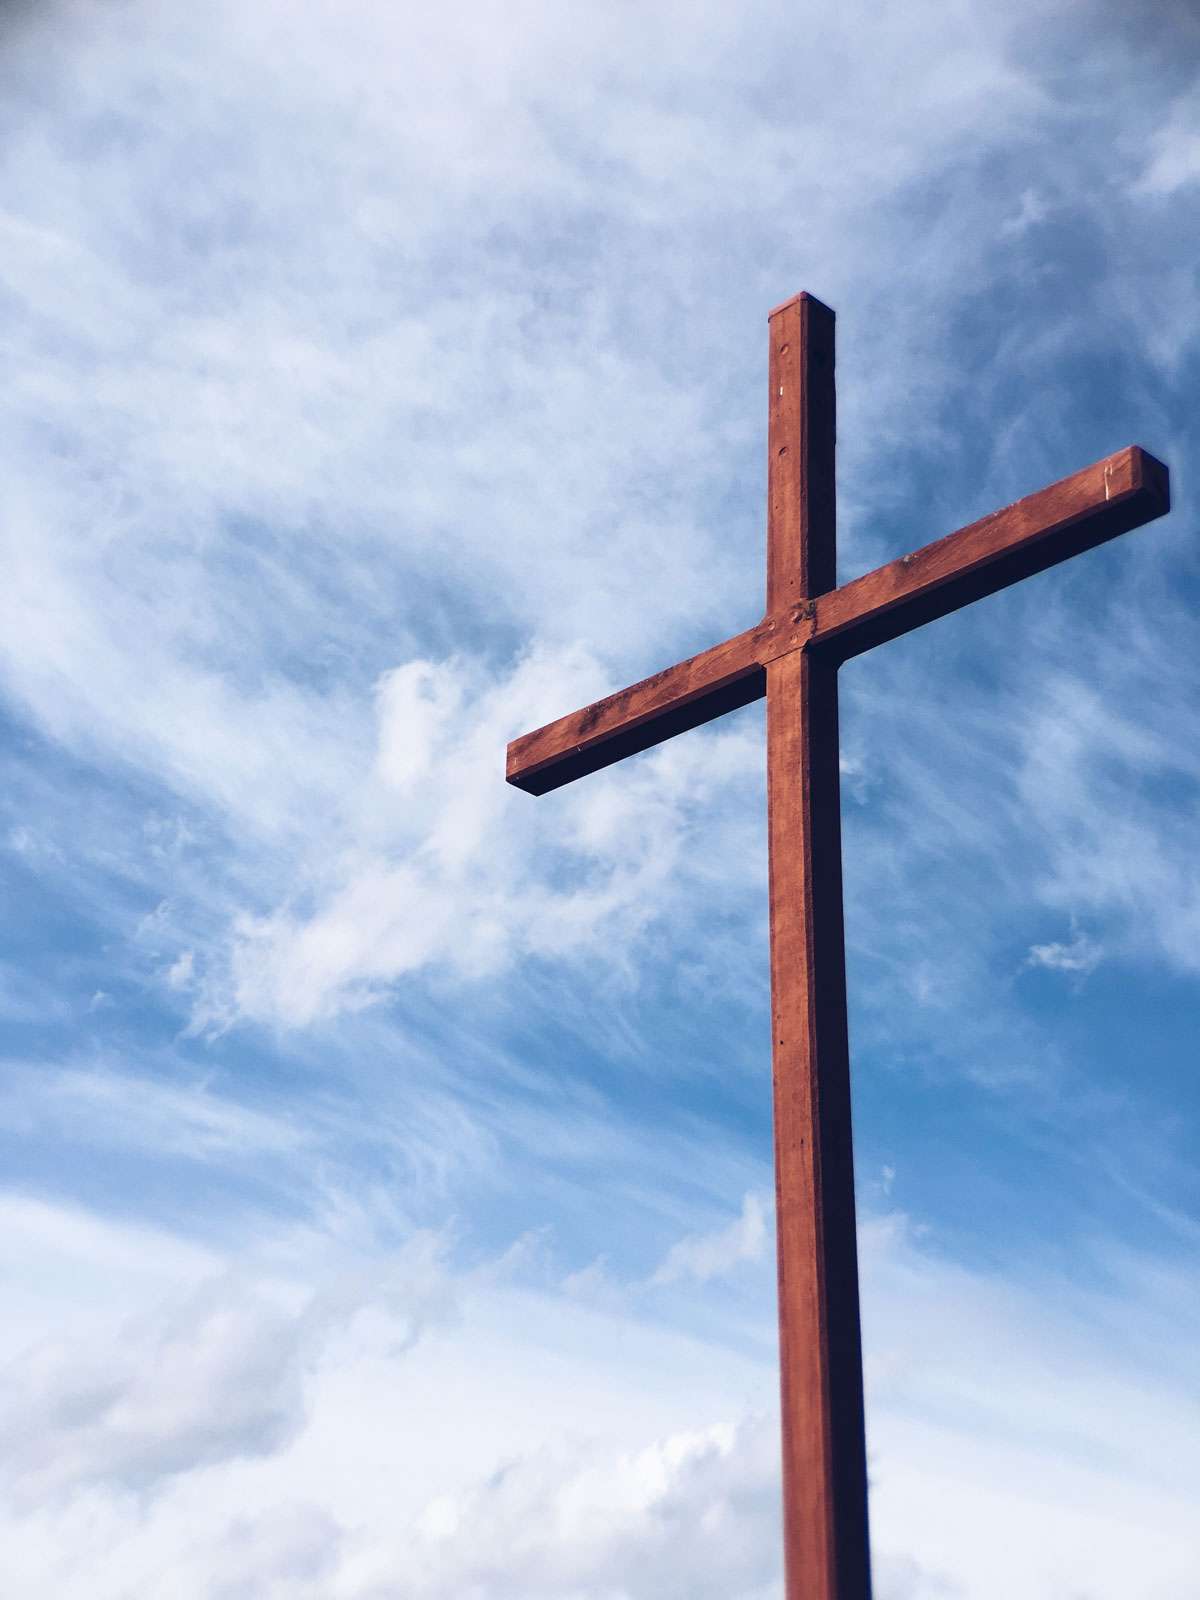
(801, 430)
(820, 1361)
(1108, 498)
(684, 696)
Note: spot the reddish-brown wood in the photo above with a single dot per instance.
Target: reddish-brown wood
(801, 427)
(820, 1355)
(721, 679)
(1110, 497)
(792, 657)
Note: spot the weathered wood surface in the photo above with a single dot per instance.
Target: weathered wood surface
(792, 657)
(1108, 498)
(820, 1350)
(801, 432)
(705, 686)
(826, 1547)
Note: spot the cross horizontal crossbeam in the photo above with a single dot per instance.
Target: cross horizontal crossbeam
(1106, 499)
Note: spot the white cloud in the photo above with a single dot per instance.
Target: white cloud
(124, 1111)
(1081, 956)
(179, 973)
(1175, 159)
(441, 863)
(212, 1374)
(211, 1379)
(703, 1256)
(304, 446)
(292, 481)
(1095, 761)
(419, 1429)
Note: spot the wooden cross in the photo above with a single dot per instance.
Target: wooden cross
(792, 656)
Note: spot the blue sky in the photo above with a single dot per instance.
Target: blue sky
(386, 1187)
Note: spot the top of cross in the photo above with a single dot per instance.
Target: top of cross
(804, 609)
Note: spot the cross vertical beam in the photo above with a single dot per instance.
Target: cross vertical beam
(824, 1452)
